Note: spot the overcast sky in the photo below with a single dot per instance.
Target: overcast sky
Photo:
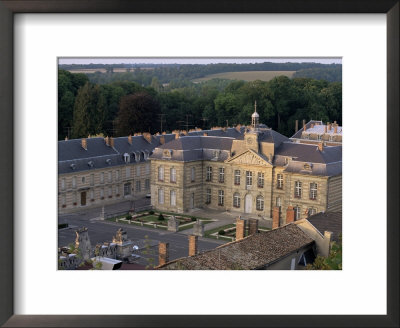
(177, 60)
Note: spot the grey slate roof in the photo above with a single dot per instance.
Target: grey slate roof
(72, 149)
(297, 135)
(328, 221)
(253, 252)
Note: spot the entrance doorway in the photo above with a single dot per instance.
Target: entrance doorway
(248, 201)
(83, 198)
(192, 200)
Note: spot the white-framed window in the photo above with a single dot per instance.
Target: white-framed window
(63, 184)
(75, 197)
(63, 200)
(83, 180)
(237, 177)
(127, 158)
(161, 174)
(92, 179)
(297, 189)
(138, 170)
(147, 184)
(260, 180)
(147, 169)
(297, 212)
(73, 182)
(311, 211)
(193, 174)
(117, 190)
(279, 181)
(128, 172)
(249, 178)
(236, 199)
(220, 197)
(102, 177)
(109, 192)
(138, 187)
(260, 203)
(278, 202)
(91, 194)
(172, 175)
(209, 173)
(117, 175)
(221, 174)
(161, 196)
(313, 190)
(127, 189)
(173, 197)
(110, 176)
(208, 196)
(102, 193)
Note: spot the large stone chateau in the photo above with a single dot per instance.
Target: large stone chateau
(249, 170)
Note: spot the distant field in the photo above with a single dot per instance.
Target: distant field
(246, 76)
(103, 70)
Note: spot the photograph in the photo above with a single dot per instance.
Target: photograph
(185, 163)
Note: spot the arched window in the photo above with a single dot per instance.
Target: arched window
(260, 203)
(236, 199)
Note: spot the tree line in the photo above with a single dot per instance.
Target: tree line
(121, 108)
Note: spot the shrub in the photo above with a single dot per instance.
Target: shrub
(161, 217)
(194, 219)
(151, 212)
(221, 232)
(128, 217)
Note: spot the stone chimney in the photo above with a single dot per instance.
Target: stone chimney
(321, 146)
(192, 245)
(296, 126)
(326, 128)
(162, 140)
(66, 138)
(147, 136)
(253, 226)
(130, 139)
(84, 143)
(185, 132)
(326, 248)
(205, 134)
(107, 141)
(276, 213)
(238, 127)
(176, 132)
(289, 214)
(240, 228)
(312, 125)
(304, 125)
(112, 142)
(335, 128)
(329, 126)
(163, 253)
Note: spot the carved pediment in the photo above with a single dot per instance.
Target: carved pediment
(249, 157)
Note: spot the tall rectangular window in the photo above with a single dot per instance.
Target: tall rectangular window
(147, 184)
(220, 197)
(73, 182)
(279, 181)
(117, 190)
(138, 170)
(208, 196)
(147, 168)
(221, 174)
(260, 180)
(173, 197)
(313, 190)
(161, 196)
(237, 177)
(92, 179)
(110, 176)
(209, 173)
(109, 192)
(91, 194)
(128, 172)
(161, 173)
(297, 189)
(102, 193)
(236, 199)
(117, 175)
(63, 184)
(63, 200)
(127, 189)
(138, 187)
(193, 174)
(172, 175)
(297, 212)
(249, 178)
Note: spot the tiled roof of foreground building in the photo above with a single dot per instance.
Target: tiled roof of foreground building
(328, 221)
(253, 252)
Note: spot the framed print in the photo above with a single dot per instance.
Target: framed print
(368, 46)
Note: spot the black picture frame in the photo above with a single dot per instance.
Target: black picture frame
(10, 7)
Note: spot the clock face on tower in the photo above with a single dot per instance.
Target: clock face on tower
(249, 141)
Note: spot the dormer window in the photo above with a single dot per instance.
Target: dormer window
(90, 163)
(308, 166)
(127, 158)
(73, 166)
(167, 153)
(108, 161)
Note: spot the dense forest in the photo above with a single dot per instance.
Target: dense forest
(118, 106)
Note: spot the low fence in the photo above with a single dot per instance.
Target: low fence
(108, 215)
